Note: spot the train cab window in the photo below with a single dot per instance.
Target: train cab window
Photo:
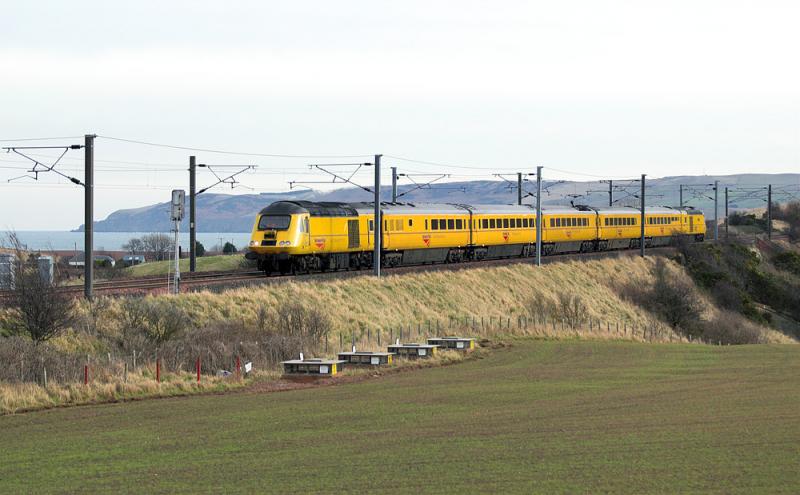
(459, 224)
(435, 224)
(451, 224)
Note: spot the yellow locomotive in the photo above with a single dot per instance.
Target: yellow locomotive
(303, 236)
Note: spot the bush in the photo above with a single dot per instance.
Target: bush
(37, 307)
(199, 249)
(674, 299)
(150, 322)
(25, 361)
(788, 261)
(730, 328)
(568, 308)
(229, 248)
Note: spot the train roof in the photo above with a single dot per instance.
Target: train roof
(315, 209)
(334, 209)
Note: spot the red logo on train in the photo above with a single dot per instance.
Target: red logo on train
(320, 243)
(505, 236)
(427, 240)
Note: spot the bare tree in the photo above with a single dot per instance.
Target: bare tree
(158, 245)
(134, 245)
(39, 308)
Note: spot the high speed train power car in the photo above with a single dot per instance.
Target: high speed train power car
(303, 236)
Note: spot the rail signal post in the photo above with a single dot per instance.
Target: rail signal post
(178, 199)
(378, 221)
(88, 221)
(539, 216)
(641, 240)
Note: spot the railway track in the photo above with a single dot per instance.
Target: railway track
(192, 282)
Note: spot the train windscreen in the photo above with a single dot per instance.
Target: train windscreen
(274, 222)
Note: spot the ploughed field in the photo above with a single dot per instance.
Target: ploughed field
(538, 416)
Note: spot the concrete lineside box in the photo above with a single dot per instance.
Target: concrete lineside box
(366, 358)
(413, 350)
(454, 343)
(319, 367)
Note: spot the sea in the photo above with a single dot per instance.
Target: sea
(47, 240)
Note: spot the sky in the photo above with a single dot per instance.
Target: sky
(586, 89)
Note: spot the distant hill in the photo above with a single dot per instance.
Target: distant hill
(236, 213)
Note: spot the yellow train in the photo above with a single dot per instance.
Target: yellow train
(302, 236)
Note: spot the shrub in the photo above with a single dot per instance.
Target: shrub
(229, 248)
(672, 298)
(37, 307)
(730, 328)
(151, 321)
(788, 261)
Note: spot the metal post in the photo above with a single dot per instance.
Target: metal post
(394, 184)
(769, 211)
(88, 212)
(177, 282)
(377, 222)
(681, 194)
(716, 210)
(519, 188)
(641, 240)
(192, 228)
(610, 193)
(539, 216)
(726, 213)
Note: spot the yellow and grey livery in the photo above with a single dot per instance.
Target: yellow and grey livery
(301, 236)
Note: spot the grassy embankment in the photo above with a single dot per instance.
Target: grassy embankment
(538, 417)
(204, 264)
(365, 306)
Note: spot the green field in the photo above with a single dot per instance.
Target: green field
(204, 264)
(539, 416)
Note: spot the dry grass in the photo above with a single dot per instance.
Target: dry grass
(17, 397)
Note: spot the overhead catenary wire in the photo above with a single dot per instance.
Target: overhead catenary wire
(227, 152)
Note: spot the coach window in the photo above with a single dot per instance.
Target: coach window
(459, 224)
(435, 224)
(485, 223)
(410, 222)
(451, 224)
(371, 226)
(426, 224)
(492, 223)
(442, 224)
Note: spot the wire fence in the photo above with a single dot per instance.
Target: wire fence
(26, 362)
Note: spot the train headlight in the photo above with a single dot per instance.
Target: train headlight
(253, 243)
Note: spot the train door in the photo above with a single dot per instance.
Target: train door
(305, 233)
